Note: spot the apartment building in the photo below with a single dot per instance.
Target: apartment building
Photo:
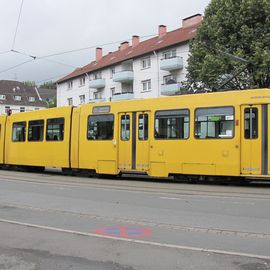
(142, 69)
(17, 97)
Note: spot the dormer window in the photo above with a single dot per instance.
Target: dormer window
(31, 99)
(2, 97)
(17, 98)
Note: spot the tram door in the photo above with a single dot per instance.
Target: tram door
(254, 139)
(133, 149)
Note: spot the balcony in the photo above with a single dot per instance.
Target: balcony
(124, 76)
(170, 89)
(170, 64)
(123, 96)
(97, 83)
(96, 100)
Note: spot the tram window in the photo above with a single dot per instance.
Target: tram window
(18, 132)
(35, 130)
(55, 129)
(251, 123)
(217, 123)
(172, 124)
(143, 127)
(100, 127)
(125, 127)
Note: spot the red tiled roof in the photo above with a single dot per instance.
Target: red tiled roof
(154, 44)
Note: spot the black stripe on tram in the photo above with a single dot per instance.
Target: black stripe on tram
(264, 139)
(134, 141)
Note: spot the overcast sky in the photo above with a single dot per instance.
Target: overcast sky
(51, 26)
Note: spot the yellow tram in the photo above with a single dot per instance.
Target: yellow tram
(221, 134)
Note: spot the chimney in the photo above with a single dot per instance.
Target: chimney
(192, 20)
(162, 30)
(98, 54)
(123, 45)
(135, 40)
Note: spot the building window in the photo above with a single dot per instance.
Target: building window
(35, 130)
(70, 84)
(146, 85)
(97, 95)
(112, 71)
(31, 99)
(100, 127)
(18, 132)
(55, 129)
(17, 98)
(22, 109)
(82, 99)
(172, 124)
(170, 79)
(70, 101)
(146, 62)
(214, 123)
(169, 54)
(112, 91)
(2, 97)
(82, 81)
(97, 76)
(7, 109)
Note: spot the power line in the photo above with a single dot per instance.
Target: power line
(51, 78)
(17, 26)
(25, 54)
(56, 62)
(18, 65)
(90, 47)
(38, 58)
(55, 54)
(4, 52)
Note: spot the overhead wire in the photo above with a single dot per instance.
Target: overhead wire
(17, 26)
(51, 78)
(54, 54)
(57, 62)
(50, 55)
(89, 47)
(25, 54)
(13, 67)
(4, 52)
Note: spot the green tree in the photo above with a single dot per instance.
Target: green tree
(48, 85)
(52, 103)
(237, 27)
(30, 83)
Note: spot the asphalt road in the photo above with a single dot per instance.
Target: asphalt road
(49, 221)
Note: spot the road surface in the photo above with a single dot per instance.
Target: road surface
(50, 221)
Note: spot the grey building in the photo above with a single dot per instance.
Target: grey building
(18, 97)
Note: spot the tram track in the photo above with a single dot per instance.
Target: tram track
(141, 185)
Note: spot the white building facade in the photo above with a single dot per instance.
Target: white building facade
(146, 69)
